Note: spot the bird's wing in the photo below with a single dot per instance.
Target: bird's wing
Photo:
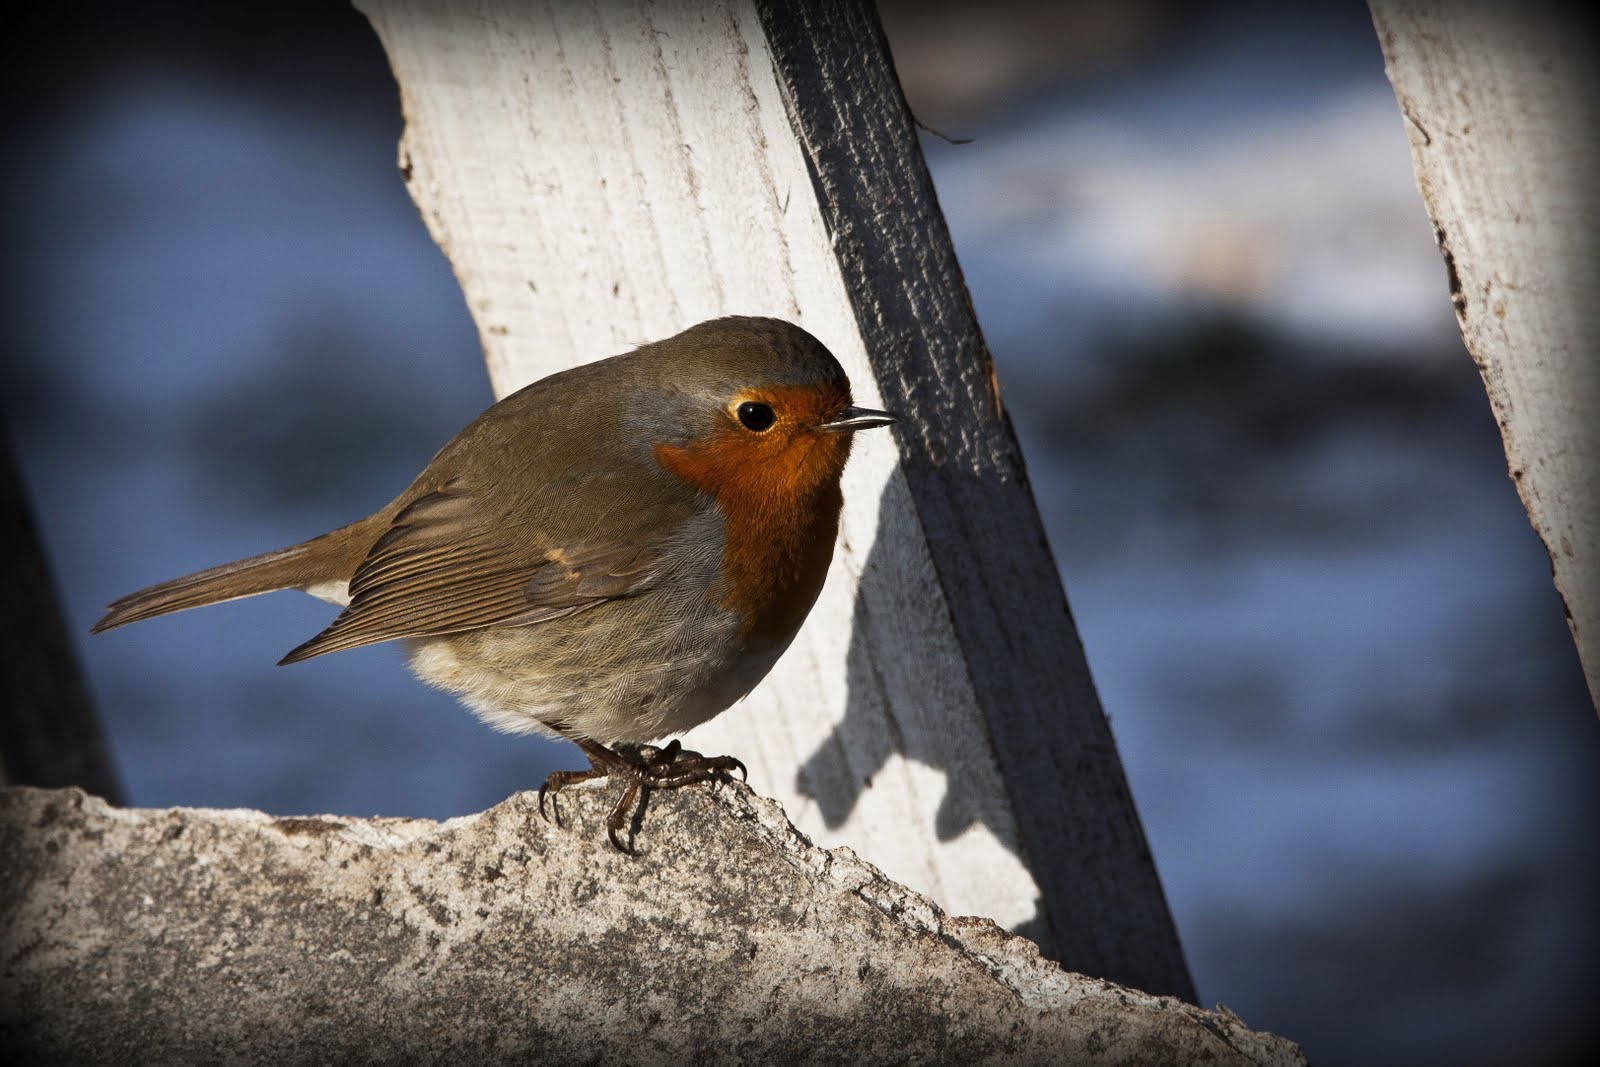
(454, 560)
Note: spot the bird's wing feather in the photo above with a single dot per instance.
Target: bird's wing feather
(454, 560)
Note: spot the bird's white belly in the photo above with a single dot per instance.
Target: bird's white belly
(647, 699)
(334, 592)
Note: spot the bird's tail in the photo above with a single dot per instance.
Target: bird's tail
(330, 558)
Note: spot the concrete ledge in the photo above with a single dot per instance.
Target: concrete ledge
(190, 934)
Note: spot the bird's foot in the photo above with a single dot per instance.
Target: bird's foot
(644, 768)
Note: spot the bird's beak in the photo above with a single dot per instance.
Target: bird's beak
(852, 419)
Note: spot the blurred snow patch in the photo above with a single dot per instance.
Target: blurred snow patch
(1307, 219)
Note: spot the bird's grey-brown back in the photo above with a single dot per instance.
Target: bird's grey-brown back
(525, 468)
(512, 465)
(545, 505)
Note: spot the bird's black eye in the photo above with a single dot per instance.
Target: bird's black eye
(756, 415)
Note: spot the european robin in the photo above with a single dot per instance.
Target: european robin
(611, 555)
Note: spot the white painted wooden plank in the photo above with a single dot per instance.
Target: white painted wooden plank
(582, 221)
(606, 175)
(1502, 106)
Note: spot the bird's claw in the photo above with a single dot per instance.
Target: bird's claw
(555, 781)
(646, 768)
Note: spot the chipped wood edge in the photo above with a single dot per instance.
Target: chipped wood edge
(939, 685)
(1501, 105)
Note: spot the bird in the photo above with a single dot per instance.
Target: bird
(613, 554)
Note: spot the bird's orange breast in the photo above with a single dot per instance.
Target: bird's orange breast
(780, 499)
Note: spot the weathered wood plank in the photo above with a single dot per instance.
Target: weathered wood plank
(607, 175)
(50, 734)
(1502, 106)
(970, 491)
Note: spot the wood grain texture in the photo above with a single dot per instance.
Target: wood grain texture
(970, 490)
(50, 734)
(1502, 106)
(605, 175)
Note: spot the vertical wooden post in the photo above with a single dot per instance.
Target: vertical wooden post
(1502, 106)
(606, 175)
(50, 735)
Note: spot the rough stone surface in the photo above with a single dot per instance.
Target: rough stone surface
(187, 935)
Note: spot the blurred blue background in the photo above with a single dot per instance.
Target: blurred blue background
(1323, 630)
